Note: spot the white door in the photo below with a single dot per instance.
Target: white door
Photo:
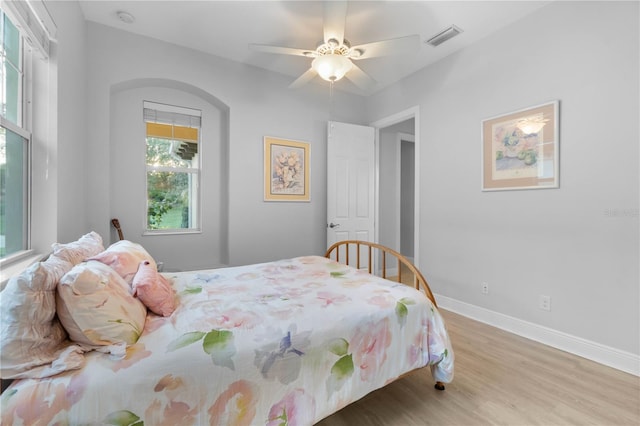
(350, 182)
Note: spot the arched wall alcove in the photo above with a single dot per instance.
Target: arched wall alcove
(127, 173)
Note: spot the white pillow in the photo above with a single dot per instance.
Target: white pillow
(78, 251)
(31, 337)
(96, 308)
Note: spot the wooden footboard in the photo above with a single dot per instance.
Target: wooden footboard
(342, 250)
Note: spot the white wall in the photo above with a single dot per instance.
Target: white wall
(128, 190)
(58, 175)
(259, 104)
(71, 120)
(566, 242)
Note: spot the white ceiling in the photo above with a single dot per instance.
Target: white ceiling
(226, 28)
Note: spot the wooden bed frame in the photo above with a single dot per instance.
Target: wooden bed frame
(419, 282)
(373, 251)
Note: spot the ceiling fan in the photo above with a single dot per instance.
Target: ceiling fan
(333, 58)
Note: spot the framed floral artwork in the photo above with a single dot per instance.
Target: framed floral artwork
(286, 170)
(520, 149)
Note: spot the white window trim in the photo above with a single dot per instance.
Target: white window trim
(37, 28)
(172, 169)
(186, 117)
(20, 131)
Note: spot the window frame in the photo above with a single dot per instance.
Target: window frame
(22, 128)
(166, 108)
(27, 251)
(36, 29)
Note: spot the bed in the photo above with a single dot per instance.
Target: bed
(287, 342)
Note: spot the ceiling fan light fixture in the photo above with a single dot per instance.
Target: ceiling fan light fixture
(331, 67)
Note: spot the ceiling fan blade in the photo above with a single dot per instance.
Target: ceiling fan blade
(360, 78)
(303, 79)
(281, 50)
(394, 46)
(335, 17)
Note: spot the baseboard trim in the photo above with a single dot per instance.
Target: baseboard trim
(611, 357)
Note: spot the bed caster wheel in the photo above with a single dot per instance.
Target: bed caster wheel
(439, 386)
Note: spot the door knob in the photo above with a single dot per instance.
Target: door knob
(334, 225)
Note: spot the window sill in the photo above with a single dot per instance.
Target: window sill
(171, 232)
(15, 266)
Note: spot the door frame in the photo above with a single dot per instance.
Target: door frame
(413, 112)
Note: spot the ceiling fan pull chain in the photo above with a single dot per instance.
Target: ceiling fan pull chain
(331, 100)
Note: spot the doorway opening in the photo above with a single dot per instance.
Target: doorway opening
(397, 201)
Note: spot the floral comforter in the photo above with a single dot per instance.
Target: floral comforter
(281, 343)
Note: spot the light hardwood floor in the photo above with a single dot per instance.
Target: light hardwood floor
(502, 379)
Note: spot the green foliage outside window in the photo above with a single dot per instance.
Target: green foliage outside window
(169, 193)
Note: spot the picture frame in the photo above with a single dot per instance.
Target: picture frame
(520, 149)
(286, 170)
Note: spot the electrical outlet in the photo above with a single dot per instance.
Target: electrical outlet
(485, 288)
(544, 302)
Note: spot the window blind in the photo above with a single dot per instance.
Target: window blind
(34, 21)
(171, 122)
(168, 114)
(169, 131)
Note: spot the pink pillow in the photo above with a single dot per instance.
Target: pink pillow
(124, 257)
(154, 290)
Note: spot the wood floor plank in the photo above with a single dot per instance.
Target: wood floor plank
(502, 379)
